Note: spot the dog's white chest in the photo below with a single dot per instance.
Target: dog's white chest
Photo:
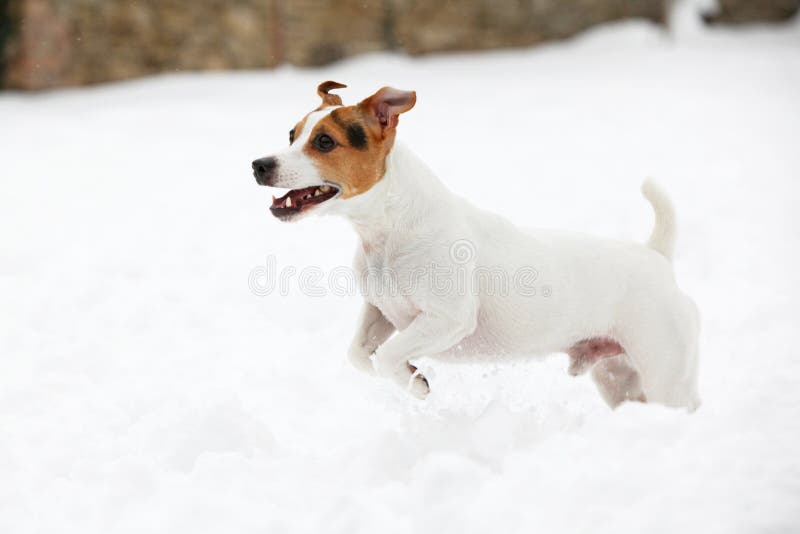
(387, 286)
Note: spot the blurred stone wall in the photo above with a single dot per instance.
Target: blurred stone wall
(76, 42)
(5, 34)
(428, 26)
(52, 43)
(747, 11)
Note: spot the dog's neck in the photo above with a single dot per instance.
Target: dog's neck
(408, 194)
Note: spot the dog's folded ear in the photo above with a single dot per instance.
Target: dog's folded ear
(386, 105)
(329, 99)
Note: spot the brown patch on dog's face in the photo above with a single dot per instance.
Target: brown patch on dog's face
(328, 100)
(347, 151)
(350, 145)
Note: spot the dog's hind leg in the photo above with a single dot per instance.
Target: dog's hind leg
(612, 371)
(584, 354)
(617, 380)
(662, 346)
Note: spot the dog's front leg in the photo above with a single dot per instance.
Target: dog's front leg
(427, 335)
(373, 329)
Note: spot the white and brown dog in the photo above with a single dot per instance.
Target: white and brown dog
(613, 307)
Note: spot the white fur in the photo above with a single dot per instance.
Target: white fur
(586, 287)
(295, 170)
(663, 237)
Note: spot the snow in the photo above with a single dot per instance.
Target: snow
(145, 388)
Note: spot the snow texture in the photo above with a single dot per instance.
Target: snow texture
(144, 387)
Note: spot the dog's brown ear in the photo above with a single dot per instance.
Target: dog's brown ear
(387, 104)
(329, 99)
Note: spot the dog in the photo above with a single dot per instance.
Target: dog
(613, 307)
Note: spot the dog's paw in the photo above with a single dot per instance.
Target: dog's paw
(359, 357)
(383, 369)
(406, 376)
(417, 384)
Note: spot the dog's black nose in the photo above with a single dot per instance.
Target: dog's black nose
(263, 169)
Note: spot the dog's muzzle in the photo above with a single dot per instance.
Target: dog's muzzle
(264, 169)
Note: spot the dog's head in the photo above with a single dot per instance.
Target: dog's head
(335, 152)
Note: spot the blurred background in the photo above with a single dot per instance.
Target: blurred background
(56, 43)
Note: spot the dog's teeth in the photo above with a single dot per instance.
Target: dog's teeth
(274, 199)
(325, 188)
(289, 202)
(317, 192)
(307, 197)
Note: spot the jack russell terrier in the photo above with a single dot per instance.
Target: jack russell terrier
(613, 307)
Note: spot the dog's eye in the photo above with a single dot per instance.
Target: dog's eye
(324, 143)
(291, 136)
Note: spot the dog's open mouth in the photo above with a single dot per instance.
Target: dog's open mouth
(298, 200)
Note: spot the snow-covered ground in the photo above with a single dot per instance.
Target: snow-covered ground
(144, 387)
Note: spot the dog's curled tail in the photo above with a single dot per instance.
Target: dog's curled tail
(662, 240)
